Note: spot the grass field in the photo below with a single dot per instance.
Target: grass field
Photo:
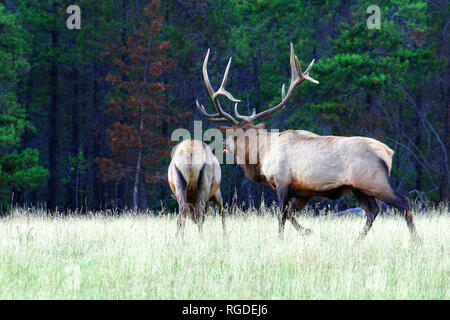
(138, 257)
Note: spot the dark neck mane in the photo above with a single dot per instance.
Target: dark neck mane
(253, 172)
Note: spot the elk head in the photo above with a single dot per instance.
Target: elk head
(246, 122)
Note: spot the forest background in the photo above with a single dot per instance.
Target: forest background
(86, 114)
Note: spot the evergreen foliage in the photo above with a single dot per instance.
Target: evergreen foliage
(69, 111)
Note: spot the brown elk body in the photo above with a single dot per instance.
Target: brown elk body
(194, 178)
(300, 165)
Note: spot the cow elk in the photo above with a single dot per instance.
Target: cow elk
(300, 165)
(194, 178)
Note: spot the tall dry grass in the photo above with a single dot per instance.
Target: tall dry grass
(139, 257)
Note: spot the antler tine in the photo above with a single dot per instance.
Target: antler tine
(242, 117)
(306, 73)
(205, 75)
(297, 77)
(225, 76)
(310, 66)
(295, 67)
(221, 115)
(213, 117)
(202, 110)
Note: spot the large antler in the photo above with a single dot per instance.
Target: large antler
(220, 115)
(297, 77)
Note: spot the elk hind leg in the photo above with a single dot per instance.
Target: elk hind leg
(200, 209)
(296, 204)
(402, 203)
(181, 219)
(217, 198)
(370, 206)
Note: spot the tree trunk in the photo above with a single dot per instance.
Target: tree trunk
(445, 176)
(138, 170)
(143, 194)
(73, 189)
(417, 142)
(136, 182)
(52, 185)
(95, 142)
(164, 131)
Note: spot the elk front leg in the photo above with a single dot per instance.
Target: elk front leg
(283, 197)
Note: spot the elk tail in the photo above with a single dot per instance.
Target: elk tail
(194, 183)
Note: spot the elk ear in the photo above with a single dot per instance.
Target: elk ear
(223, 129)
(261, 125)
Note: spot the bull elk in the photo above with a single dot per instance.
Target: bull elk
(194, 178)
(300, 165)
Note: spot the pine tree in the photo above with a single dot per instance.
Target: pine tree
(138, 105)
(375, 84)
(19, 169)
